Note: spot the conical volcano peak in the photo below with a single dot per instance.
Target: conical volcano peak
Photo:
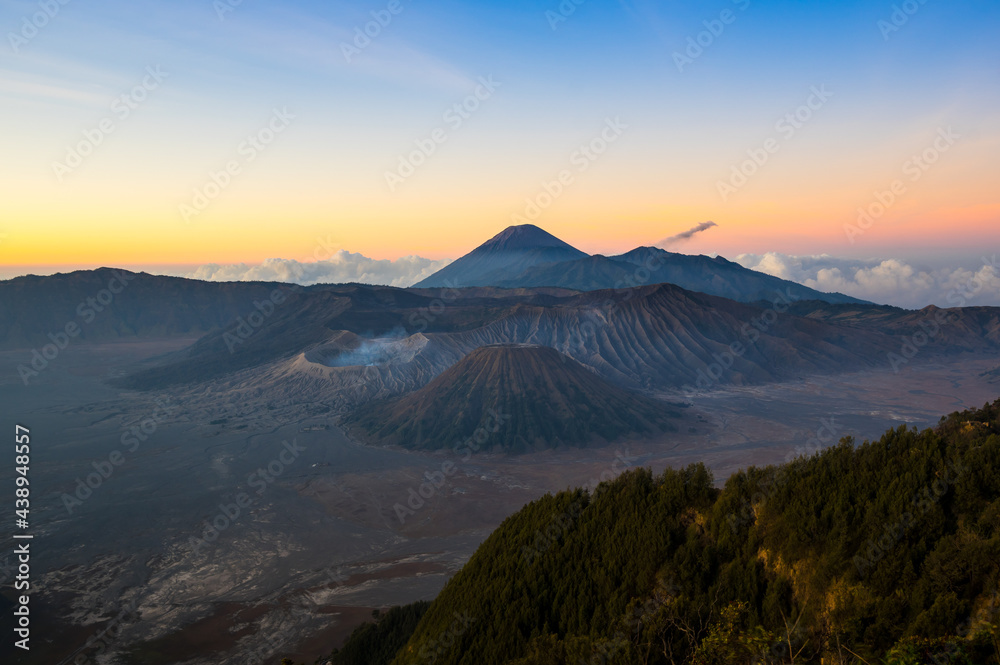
(510, 252)
(542, 398)
(523, 236)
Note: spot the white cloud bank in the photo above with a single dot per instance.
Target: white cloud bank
(340, 268)
(890, 281)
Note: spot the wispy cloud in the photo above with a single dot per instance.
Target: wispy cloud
(308, 42)
(23, 87)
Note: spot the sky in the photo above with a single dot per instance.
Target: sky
(227, 137)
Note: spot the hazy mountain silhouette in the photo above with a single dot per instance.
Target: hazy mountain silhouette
(526, 256)
(652, 337)
(145, 305)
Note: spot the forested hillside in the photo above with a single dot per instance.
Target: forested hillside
(881, 552)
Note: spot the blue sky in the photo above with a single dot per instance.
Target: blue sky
(559, 82)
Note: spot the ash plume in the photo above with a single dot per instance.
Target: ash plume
(686, 235)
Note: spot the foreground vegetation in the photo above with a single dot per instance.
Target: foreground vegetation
(883, 552)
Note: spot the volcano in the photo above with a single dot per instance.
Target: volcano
(526, 256)
(510, 252)
(513, 398)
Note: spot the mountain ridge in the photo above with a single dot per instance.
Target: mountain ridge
(526, 256)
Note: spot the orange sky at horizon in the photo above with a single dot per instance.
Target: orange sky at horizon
(225, 244)
(621, 203)
(646, 148)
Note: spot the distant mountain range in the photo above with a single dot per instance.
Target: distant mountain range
(389, 341)
(108, 304)
(348, 344)
(418, 366)
(527, 256)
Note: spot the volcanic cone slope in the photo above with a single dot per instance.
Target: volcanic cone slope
(513, 398)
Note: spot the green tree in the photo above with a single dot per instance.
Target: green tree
(732, 641)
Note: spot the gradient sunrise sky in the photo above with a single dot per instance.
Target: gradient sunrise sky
(894, 77)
